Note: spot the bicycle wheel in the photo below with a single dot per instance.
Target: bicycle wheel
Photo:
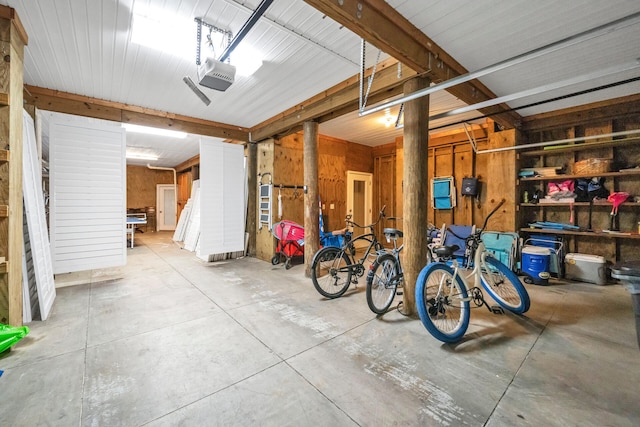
(330, 272)
(442, 302)
(503, 285)
(382, 283)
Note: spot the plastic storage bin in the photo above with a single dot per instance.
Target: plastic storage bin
(586, 268)
(535, 264)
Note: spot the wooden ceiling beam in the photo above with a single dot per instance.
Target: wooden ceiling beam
(69, 103)
(382, 26)
(338, 100)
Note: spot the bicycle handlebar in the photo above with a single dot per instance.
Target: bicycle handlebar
(486, 220)
(350, 223)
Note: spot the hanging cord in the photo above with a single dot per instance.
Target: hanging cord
(296, 194)
(280, 203)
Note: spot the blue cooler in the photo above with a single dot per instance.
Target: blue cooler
(629, 274)
(535, 264)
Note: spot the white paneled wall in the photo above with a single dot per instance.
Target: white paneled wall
(222, 206)
(88, 194)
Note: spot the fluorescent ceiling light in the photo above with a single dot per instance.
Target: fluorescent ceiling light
(140, 156)
(154, 131)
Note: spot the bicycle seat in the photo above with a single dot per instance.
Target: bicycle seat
(445, 251)
(392, 232)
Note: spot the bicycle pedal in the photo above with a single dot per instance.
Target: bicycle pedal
(496, 309)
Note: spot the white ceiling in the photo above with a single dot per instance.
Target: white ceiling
(83, 47)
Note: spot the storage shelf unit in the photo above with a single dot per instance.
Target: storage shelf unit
(596, 216)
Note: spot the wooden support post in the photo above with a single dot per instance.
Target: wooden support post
(252, 197)
(311, 208)
(12, 41)
(414, 195)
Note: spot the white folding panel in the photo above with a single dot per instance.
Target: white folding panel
(193, 226)
(36, 220)
(183, 221)
(88, 194)
(29, 288)
(222, 212)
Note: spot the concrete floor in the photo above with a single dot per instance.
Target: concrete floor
(170, 340)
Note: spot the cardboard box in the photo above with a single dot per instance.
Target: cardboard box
(586, 268)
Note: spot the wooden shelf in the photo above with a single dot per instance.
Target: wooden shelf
(609, 235)
(4, 211)
(4, 267)
(4, 155)
(590, 175)
(598, 204)
(581, 147)
(4, 99)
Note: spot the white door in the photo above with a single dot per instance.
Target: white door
(166, 207)
(359, 198)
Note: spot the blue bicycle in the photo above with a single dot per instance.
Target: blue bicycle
(443, 294)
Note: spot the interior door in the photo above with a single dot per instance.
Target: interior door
(166, 207)
(359, 198)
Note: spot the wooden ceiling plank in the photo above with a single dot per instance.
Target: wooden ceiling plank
(344, 100)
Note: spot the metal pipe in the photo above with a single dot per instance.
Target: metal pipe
(361, 83)
(260, 10)
(535, 53)
(540, 89)
(560, 141)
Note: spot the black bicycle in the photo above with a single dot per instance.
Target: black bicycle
(333, 269)
(385, 275)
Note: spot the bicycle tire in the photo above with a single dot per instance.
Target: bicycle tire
(381, 289)
(328, 274)
(445, 316)
(504, 286)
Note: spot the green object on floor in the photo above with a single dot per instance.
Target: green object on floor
(9, 335)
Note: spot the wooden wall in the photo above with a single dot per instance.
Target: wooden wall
(141, 185)
(336, 157)
(283, 158)
(451, 154)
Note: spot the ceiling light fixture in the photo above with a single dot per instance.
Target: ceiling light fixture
(153, 131)
(141, 156)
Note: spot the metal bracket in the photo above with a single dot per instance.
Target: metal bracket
(201, 23)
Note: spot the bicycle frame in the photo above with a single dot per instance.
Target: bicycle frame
(478, 260)
(368, 237)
